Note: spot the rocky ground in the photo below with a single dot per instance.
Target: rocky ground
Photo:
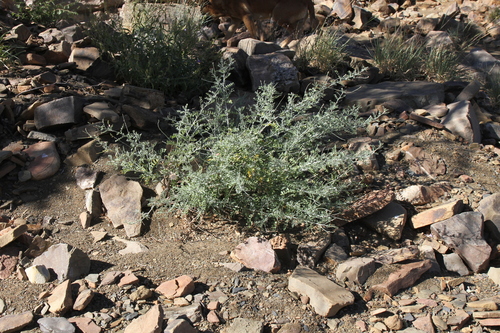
(417, 253)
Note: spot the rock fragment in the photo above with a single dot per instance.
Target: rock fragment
(179, 326)
(179, 287)
(55, 325)
(388, 221)
(243, 325)
(66, 261)
(309, 253)
(150, 322)
(357, 270)
(464, 233)
(83, 299)
(257, 253)
(326, 297)
(60, 299)
(15, 322)
(8, 235)
(45, 161)
(436, 214)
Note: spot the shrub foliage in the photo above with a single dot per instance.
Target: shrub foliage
(268, 164)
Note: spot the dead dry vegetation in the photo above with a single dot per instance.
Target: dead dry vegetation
(408, 97)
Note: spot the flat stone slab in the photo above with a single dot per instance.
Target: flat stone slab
(66, 261)
(417, 94)
(464, 233)
(8, 235)
(15, 322)
(368, 204)
(122, 199)
(62, 112)
(356, 269)
(150, 322)
(326, 297)
(257, 253)
(436, 214)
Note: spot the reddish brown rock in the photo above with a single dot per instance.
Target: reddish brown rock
(405, 277)
(181, 286)
(83, 299)
(424, 324)
(436, 214)
(128, 278)
(464, 233)
(8, 235)
(60, 299)
(150, 322)
(45, 161)
(257, 253)
(15, 322)
(86, 325)
(368, 204)
(490, 322)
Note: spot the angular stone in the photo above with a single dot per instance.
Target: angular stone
(486, 314)
(62, 112)
(101, 111)
(98, 235)
(93, 204)
(388, 221)
(424, 324)
(469, 92)
(122, 199)
(84, 57)
(45, 161)
(145, 119)
(244, 325)
(38, 274)
(484, 305)
(86, 325)
(141, 293)
(83, 299)
(179, 287)
(9, 235)
(326, 297)
(357, 270)
(253, 46)
(60, 299)
(421, 195)
(66, 261)
(437, 214)
(490, 322)
(128, 278)
(464, 233)
(393, 256)
(86, 178)
(394, 323)
(132, 247)
(458, 320)
(368, 204)
(276, 69)
(423, 163)
(438, 39)
(179, 326)
(32, 59)
(192, 312)
(343, 9)
(309, 253)
(35, 135)
(490, 208)
(404, 277)
(15, 322)
(86, 154)
(58, 53)
(335, 254)
(461, 120)
(85, 219)
(454, 263)
(150, 322)
(417, 93)
(110, 278)
(257, 253)
(281, 245)
(145, 98)
(55, 325)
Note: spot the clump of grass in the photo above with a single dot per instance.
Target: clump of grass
(267, 164)
(321, 53)
(161, 49)
(398, 58)
(441, 64)
(493, 86)
(44, 12)
(494, 14)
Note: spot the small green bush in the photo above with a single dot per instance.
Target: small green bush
(161, 50)
(321, 53)
(44, 12)
(265, 164)
(398, 58)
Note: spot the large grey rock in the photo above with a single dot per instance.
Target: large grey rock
(490, 208)
(462, 120)
(55, 325)
(15, 322)
(122, 199)
(417, 94)
(454, 263)
(66, 261)
(62, 112)
(464, 233)
(326, 297)
(388, 221)
(274, 68)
